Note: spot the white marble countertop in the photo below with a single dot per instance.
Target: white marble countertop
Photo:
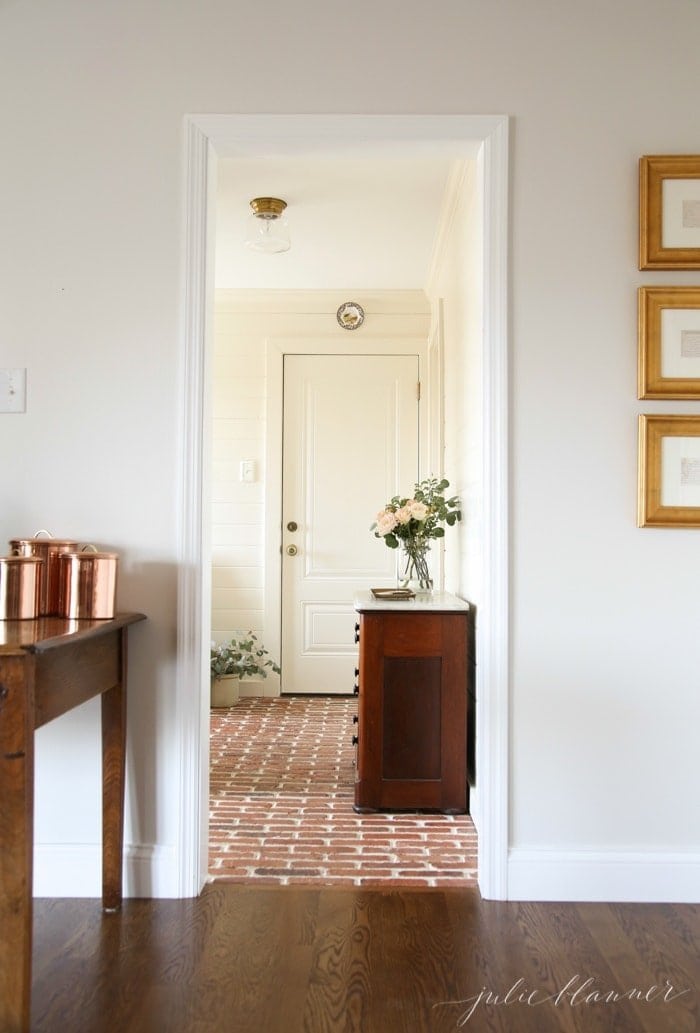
(437, 602)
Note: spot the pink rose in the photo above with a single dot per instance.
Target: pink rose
(418, 510)
(386, 522)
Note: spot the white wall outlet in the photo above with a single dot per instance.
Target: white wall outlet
(13, 390)
(247, 470)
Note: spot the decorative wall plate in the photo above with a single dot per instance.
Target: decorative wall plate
(350, 315)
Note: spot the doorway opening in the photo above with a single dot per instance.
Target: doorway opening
(212, 137)
(352, 434)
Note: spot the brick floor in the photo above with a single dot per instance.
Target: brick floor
(281, 795)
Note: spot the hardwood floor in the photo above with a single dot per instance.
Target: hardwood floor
(242, 959)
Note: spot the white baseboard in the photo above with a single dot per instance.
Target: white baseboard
(75, 870)
(612, 876)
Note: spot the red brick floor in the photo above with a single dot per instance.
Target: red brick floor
(281, 794)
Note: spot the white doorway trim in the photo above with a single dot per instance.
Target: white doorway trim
(207, 138)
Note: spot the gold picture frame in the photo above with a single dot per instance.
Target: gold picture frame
(669, 471)
(669, 211)
(669, 342)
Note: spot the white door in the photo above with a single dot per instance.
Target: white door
(350, 444)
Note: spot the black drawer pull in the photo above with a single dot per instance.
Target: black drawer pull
(355, 740)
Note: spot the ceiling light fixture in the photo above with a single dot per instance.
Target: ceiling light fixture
(268, 230)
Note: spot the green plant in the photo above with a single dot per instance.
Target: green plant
(242, 656)
(419, 518)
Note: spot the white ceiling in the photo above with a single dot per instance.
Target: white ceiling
(355, 222)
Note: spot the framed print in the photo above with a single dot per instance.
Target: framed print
(669, 342)
(669, 471)
(669, 211)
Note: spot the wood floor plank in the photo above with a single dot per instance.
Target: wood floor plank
(477, 966)
(549, 948)
(680, 919)
(644, 952)
(293, 960)
(511, 968)
(339, 994)
(255, 965)
(564, 958)
(416, 949)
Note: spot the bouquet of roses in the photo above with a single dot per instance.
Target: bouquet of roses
(418, 518)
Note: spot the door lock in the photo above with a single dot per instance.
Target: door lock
(292, 550)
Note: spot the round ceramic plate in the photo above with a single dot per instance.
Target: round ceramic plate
(351, 315)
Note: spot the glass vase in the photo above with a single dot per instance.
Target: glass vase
(414, 572)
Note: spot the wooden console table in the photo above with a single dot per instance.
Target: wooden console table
(47, 667)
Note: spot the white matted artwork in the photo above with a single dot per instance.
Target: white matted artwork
(680, 471)
(669, 211)
(680, 218)
(669, 471)
(669, 342)
(680, 343)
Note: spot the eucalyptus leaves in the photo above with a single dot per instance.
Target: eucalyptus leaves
(242, 656)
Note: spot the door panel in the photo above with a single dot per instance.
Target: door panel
(350, 443)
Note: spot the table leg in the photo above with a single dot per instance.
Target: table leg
(113, 779)
(16, 839)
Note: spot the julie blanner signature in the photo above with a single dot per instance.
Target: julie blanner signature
(576, 992)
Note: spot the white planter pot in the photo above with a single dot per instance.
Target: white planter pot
(225, 690)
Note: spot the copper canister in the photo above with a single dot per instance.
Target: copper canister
(20, 582)
(88, 585)
(48, 549)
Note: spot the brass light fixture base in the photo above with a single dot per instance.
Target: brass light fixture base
(267, 207)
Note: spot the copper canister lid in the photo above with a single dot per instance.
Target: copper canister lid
(44, 542)
(49, 549)
(95, 555)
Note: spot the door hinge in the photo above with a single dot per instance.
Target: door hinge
(418, 390)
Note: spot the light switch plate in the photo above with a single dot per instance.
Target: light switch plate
(13, 390)
(247, 473)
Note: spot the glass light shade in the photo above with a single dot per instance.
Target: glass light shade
(268, 229)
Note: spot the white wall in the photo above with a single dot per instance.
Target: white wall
(457, 281)
(605, 704)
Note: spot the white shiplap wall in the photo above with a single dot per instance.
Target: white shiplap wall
(237, 507)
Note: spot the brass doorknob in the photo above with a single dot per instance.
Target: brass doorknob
(292, 525)
(292, 550)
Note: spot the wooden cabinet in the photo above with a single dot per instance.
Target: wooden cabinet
(412, 706)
